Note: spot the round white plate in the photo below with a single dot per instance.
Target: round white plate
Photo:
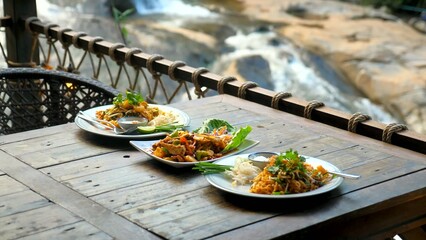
(146, 147)
(224, 183)
(181, 117)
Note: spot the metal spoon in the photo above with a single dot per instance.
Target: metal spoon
(260, 159)
(98, 122)
(102, 123)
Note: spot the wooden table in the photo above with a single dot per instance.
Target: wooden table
(62, 182)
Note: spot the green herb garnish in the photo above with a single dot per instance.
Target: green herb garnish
(288, 162)
(132, 97)
(210, 168)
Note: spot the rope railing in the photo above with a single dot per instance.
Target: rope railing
(202, 80)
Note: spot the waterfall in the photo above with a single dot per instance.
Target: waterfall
(289, 72)
(171, 7)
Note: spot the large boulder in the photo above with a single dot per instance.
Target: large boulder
(379, 54)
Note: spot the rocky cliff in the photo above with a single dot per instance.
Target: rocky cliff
(378, 53)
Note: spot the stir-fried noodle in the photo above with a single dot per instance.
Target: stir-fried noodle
(289, 173)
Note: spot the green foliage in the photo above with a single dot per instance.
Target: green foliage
(120, 17)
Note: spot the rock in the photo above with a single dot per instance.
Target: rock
(379, 54)
(255, 68)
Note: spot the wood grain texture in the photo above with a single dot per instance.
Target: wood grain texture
(77, 230)
(108, 183)
(35, 221)
(78, 205)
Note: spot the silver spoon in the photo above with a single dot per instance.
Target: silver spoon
(105, 124)
(260, 159)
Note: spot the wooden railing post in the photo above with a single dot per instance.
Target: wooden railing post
(20, 52)
(19, 41)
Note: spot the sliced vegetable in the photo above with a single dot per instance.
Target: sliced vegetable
(146, 129)
(209, 168)
(169, 127)
(238, 137)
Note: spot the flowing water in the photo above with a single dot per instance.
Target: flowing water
(288, 68)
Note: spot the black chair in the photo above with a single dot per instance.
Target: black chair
(32, 98)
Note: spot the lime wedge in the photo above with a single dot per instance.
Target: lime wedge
(146, 129)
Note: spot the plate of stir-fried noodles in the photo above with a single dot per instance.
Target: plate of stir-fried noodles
(162, 117)
(299, 176)
(166, 114)
(184, 149)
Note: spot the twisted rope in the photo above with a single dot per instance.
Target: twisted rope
(75, 38)
(47, 27)
(150, 62)
(128, 56)
(194, 78)
(92, 42)
(111, 51)
(222, 83)
(28, 21)
(390, 129)
(243, 89)
(355, 119)
(156, 76)
(307, 113)
(172, 68)
(171, 72)
(60, 36)
(277, 97)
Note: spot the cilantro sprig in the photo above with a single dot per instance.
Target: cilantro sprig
(287, 162)
(132, 98)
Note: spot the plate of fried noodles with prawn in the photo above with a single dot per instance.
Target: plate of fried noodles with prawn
(286, 175)
(214, 140)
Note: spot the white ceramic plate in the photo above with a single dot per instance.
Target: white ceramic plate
(181, 117)
(224, 183)
(146, 147)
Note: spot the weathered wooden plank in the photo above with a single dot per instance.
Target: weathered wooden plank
(113, 179)
(51, 139)
(77, 230)
(92, 165)
(341, 210)
(16, 137)
(321, 128)
(214, 108)
(34, 221)
(9, 186)
(177, 182)
(179, 217)
(20, 202)
(179, 206)
(79, 205)
(385, 223)
(53, 156)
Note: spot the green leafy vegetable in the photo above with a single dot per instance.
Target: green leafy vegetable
(209, 168)
(238, 137)
(210, 124)
(131, 97)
